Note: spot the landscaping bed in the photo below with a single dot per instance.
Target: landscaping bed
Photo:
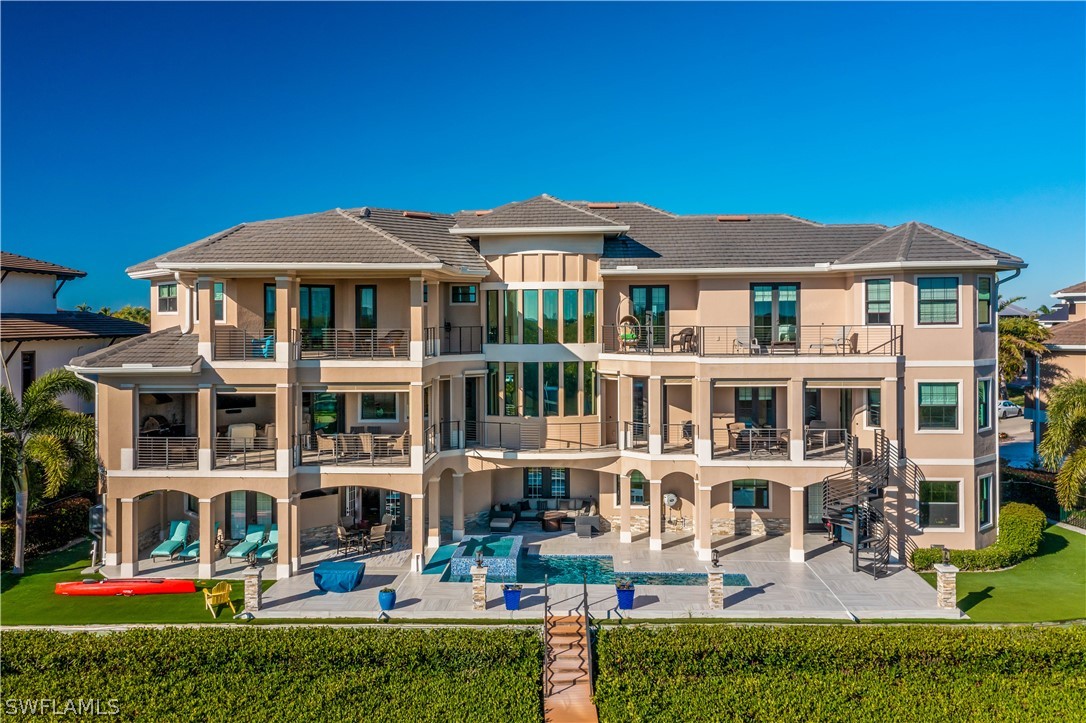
(302, 674)
(811, 673)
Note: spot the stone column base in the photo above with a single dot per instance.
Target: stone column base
(253, 588)
(716, 588)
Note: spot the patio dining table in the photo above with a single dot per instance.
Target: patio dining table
(338, 576)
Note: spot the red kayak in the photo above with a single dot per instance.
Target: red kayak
(132, 586)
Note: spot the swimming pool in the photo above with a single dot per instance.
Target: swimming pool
(501, 555)
(596, 570)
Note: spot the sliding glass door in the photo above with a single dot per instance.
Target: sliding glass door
(317, 313)
(774, 312)
(649, 304)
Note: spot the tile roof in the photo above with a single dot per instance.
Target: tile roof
(1014, 310)
(1079, 288)
(65, 325)
(1058, 314)
(360, 235)
(1072, 333)
(17, 262)
(545, 211)
(165, 348)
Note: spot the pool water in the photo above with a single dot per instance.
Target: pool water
(491, 546)
(596, 570)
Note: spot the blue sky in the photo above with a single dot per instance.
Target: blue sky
(129, 129)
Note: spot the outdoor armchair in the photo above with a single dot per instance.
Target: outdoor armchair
(254, 536)
(179, 534)
(218, 595)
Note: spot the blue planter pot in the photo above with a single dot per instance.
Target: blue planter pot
(512, 599)
(625, 599)
(387, 600)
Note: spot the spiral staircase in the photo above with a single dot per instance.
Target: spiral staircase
(853, 505)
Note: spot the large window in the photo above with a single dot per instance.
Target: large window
(569, 386)
(365, 307)
(167, 298)
(493, 401)
(378, 407)
(589, 312)
(874, 408)
(984, 498)
(316, 308)
(570, 316)
(877, 301)
(550, 316)
(937, 300)
(589, 388)
(531, 316)
(757, 406)
(775, 312)
(984, 404)
(984, 300)
(510, 389)
(651, 303)
(550, 389)
(492, 314)
(531, 389)
(938, 405)
(938, 505)
(559, 486)
(512, 318)
(467, 294)
(533, 482)
(750, 494)
(269, 306)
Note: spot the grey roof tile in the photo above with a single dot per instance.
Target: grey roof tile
(18, 262)
(66, 325)
(543, 210)
(1073, 333)
(1079, 288)
(164, 348)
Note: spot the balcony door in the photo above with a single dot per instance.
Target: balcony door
(316, 313)
(365, 307)
(757, 406)
(649, 304)
(774, 313)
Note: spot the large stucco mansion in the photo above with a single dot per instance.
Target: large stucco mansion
(718, 374)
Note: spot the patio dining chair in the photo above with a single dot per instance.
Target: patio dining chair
(745, 341)
(378, 538)
(327, 444)
(400, 445)
(345, 541)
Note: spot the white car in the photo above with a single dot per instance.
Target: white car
(1007, 408)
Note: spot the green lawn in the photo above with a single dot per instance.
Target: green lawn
(1048, 587)
(30, 600)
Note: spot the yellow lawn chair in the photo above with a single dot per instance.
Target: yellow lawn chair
(219, 595)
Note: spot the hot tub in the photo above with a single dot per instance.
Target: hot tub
(500, 554)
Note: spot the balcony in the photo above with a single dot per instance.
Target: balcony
(679, 438)
(737, 441)
(364, 449)
(531, 436)
(167, 452)
(355, 344)
(788, 340)
(245, 453)
(453, 340)
(233, 344)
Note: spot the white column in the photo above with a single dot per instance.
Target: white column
(796, 552)
(458, 507)
(625, 533)
(130, 538)
(206, 567)
(703, 522)
(285, 530)
(433, 519)
(655, 515)
(418, 532)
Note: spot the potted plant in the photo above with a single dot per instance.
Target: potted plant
(511, 591)
(387, 598)
(625, 590)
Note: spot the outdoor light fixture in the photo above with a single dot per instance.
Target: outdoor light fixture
(716, 558)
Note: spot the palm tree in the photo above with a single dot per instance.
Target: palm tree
(43, 441)
(1019, 337)
(83, 307)
(1064, 443)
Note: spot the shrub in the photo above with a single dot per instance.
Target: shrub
(1021, 529)
(834, 672)
(305, 673)
(47, 529)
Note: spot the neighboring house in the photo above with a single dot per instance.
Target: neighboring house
(1071, 306)
(1065, 360)
(548, 355)
(1011, 310)
(35, 335)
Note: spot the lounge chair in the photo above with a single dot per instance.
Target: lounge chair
(585, 525)
(192, 552)
(179, 535)
(270, 549)
(219, 595)
(264, 348)
(254, 538)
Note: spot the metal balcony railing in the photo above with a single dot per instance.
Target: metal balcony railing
(355, 344)
(535, 436)
(824, 443)
(787, 339)
(679, 438)
(452, 340)
(637, 435)
(736, 441)
(354, 450)
(245, 453)
(167, 452)
(232, 344)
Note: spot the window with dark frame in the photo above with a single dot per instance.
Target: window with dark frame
(570, 382)
(984, 497)
(511, 389)
(465, 294)
(874, 407)
(938, 405)
(218, 294)
(550, 316)
(531, 316)
(492, 314)
(937, 300)
(531, 389)
(750, 494)
(167, 298)
(570, 316)
(589, 317)
(589, 388)
(365, 307)
(984, 404)
(938, 505)
(493, 398)
(29, 365)
(877, 301)
(269, 306)
(511, 333)
(984, 300)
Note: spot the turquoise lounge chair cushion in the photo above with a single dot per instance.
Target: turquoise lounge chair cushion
(179, 533)
(254, 535)
(269, 549)
(191, 552)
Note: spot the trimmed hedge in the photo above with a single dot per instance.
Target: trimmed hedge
(52, 527)
(846, 673)
(1021, 529)
(305, 673)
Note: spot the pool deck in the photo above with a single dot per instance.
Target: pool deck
(823, 587)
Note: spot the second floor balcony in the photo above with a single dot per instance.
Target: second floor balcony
(754, 340)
